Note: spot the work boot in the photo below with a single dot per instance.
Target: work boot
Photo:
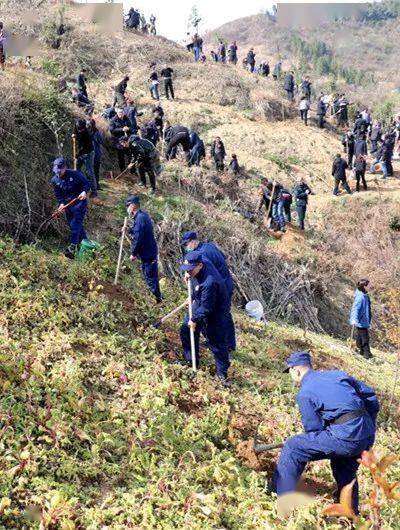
(70, 251)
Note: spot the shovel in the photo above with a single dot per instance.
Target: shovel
(121, 248)
(55, 214)
(170, 315)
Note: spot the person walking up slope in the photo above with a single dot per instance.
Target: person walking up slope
(360, 317)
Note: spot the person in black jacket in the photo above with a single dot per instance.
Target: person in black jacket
(177, 136)
(305, 87)
(287, 204)
(301, 191)
(82, 101)
(375, 137)
(360, 126)
(85, 153)
(360, 167)
(158, 115)
(360, 146)
(232, 53)
(218, 153)
(150, 132)
(234, 165)
(81, 82)
(166, 74)
(288, 85)
(339, 173)
(321, 112)
(119, 92)
(146, 159)
(348, 144)
(120, 129)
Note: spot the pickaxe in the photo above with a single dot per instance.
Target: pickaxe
(56, 214)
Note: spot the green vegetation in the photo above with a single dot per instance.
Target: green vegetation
(380, 11)
(387, 108)
(100, 430)
(321, 58)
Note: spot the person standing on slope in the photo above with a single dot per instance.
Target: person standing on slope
(210, 313)
(301, 191)
(339, 414)
(360, 317)
(144, 245)
(339, 173)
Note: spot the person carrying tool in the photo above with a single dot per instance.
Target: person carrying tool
(146, 159)
(339, 167)
(301, 191)
(212, 253)
(70, 185)
(210, 314)
(176, 136)
(121, 129)
(360, 317)
(339, 414)
(144, 245)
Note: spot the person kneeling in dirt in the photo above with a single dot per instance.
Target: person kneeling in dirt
(146, 159)
(339, 414)
(177, 136)
(218, 153)
(301, 191)
(360, 317)
(339, 173)
(144, 245)
(210, 251)
(210, 313)
(70, 185)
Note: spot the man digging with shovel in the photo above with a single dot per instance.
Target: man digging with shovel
(210, 313)
(338, 413)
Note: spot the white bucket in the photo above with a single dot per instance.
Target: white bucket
(255, 309)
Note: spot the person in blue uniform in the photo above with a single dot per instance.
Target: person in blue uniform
(210, 251)
(68, 185)
(210, 313)
(339, 414)
(144, 245)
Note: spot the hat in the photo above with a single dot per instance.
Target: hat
(191, 261)
(298, 358)
(133, 199)
(59, 164)
(189, 236)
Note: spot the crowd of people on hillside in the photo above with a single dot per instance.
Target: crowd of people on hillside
(338, 411)
(137, 21)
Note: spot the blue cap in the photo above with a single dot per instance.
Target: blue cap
(133, 199)
(189, 236)
(59, 164)
(192, 259)
(298, 358)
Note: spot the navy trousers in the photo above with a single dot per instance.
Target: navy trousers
(312, 446)
(220, 351)
(301, 214)
(150, 273)
(75, 216)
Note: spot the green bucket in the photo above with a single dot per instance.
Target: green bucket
(87, 250)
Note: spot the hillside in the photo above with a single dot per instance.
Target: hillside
(100, 429)
(366, 51)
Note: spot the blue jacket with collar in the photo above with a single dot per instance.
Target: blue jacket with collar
(360, 315)
(143, 244)
(72, 184)
(326, 395)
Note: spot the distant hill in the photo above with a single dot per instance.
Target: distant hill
(353, 55)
